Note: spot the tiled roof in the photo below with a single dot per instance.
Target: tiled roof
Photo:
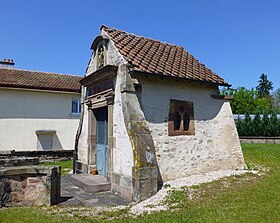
(15, 78)
(155, 57)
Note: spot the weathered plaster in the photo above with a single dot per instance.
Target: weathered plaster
(215, 144)
(122, 152)
(145, 172)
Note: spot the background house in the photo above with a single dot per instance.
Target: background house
(38, 110)
(153, 113)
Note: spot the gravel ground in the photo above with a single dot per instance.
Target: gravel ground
(155, 203)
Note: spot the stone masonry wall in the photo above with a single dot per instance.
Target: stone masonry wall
(259, 139)
(215, 144)
(29, 185)
(24, 158)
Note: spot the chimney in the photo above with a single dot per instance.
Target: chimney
(7, 63)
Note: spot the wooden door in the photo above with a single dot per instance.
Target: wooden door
(101, 115)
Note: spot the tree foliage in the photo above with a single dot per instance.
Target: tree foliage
(247, 101)
(276, 100)
(264, 86)
(255, 100)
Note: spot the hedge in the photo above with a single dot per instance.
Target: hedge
(268, 125)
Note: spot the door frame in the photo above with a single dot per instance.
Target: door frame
(99, 100)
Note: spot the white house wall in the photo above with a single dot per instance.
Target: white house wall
(23, 112)
(215, 144)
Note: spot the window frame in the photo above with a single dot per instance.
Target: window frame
(78, 108)
(174, 106)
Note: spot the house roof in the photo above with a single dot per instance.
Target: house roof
(155, 57)
(15, 78)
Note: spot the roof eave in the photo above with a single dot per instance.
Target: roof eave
(40, 88)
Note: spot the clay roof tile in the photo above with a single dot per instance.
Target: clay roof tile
(16, 78)
(153, 56)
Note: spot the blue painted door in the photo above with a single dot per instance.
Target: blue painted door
(101, 115)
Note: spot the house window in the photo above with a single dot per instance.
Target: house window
(181, 118)
(76, 106)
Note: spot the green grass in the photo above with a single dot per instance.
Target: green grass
(245, 198)
(29, 214)
(66, 166)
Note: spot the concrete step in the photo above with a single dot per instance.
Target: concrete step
(91, 183)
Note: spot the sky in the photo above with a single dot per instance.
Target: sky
(237, 39)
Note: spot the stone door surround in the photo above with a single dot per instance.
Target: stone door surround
(100, 87)
(100, 100)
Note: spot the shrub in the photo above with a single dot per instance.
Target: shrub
(268, 125)
(257, 125)
(275, 125)
(265, 125)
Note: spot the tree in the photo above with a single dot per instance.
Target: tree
(276, 100)
(262, 105)
(245, 100)
(264, 86)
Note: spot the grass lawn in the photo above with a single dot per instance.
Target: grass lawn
(66, 166)
(245, 198)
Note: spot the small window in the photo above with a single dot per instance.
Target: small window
(181, 118)
(76, 106)
(100, 57)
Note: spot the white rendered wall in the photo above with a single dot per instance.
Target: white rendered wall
(23, 112)
(215, 144)
(83, 139)
(122, 151)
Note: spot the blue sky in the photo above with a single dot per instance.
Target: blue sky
(237, 39)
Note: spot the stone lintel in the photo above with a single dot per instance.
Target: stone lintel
(104, 73)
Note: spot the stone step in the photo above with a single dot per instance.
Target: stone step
(91, 183)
